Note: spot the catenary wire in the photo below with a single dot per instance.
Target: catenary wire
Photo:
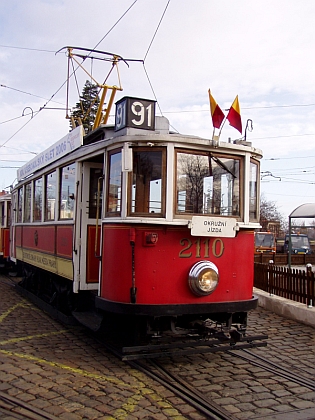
(26, 48)
(49, 100)
(146, 54)
(154, 35)
(115, 24)
(27, 93)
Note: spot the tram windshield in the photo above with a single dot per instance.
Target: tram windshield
(208, 184)
(147, 194)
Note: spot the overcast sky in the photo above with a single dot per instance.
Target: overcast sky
(262, 51)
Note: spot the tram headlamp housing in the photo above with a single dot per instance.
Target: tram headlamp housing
(203, 278)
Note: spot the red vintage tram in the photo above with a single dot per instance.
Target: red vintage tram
(139, 231)
(5, 219)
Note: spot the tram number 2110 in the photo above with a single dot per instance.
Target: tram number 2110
(201, 248)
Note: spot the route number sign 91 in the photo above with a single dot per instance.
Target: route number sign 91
(136, 113)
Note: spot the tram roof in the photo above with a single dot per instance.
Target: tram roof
(106, 134)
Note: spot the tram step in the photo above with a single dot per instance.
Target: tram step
(89, 319)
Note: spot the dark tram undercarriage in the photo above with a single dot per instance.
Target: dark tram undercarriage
(137, 331)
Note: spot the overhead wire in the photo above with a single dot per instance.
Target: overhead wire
(148, 78)
(295, 157)
(49, 100)
(28, 93)
(19, 150)
(115, 24)
(26, 48)
(147, 52)
(89, 54)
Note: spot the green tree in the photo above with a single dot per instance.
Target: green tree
(86, 108)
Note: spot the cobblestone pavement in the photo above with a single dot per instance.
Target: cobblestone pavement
(250, 392)
(66, 373)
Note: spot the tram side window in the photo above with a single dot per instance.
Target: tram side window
(67, 192)
(27, 203)
(96, 192)
(208, 184)
(8, 222)
(20, 205)
(2, 217)
(147, 189)
(253, 191)
(113, 206)
(51, 191)
(38, 200)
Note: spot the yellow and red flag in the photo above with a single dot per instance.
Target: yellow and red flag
(216, 112)
(234, 115)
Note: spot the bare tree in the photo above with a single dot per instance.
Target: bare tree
(270, 217)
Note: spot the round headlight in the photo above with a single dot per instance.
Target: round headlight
(203, 278)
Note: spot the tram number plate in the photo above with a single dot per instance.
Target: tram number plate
(213, 226)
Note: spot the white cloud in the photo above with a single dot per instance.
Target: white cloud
(262, 51)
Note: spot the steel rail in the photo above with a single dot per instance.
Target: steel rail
(182, 389)
(274, 368)
(21, 410)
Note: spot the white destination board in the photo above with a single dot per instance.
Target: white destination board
(213, 226)
(70, 142)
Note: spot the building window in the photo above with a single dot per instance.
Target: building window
(207, 183)
(67, 192)
(50, 196)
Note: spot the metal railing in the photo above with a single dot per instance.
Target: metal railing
(290, 283)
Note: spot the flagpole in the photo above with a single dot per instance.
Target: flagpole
(222, 126)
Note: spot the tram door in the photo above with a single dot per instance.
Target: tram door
(90, 233)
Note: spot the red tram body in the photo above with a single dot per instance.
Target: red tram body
(5, 220)
(162, 267)
(156, 229)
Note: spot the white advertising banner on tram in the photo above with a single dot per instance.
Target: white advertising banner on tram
(67, 144)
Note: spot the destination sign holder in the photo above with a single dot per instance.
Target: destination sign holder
(225, 227)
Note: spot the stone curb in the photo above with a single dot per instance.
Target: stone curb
(296, 311)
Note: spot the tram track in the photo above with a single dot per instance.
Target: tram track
(199, 401)
(4, 278)
(17, 409)
(182, 389)
(272, 367)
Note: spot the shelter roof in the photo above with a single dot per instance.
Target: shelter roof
(304, 211)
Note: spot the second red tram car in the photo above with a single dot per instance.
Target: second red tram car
(152, 230)
(5, 220)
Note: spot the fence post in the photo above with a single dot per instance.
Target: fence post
(270, 278)
(309, 285)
